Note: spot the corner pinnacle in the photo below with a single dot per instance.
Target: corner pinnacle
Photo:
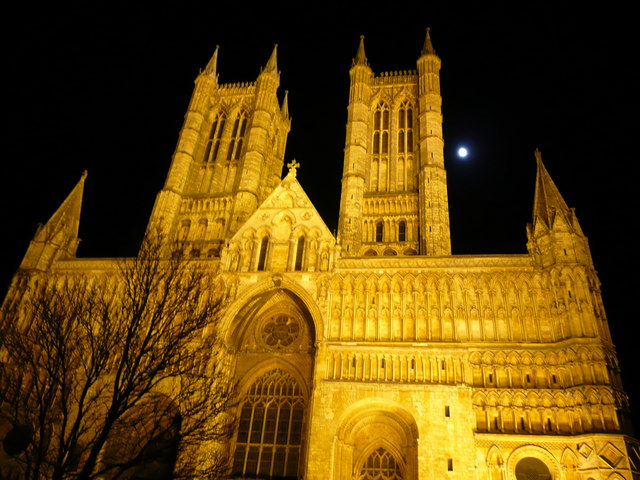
(361, 58)
(428, 49)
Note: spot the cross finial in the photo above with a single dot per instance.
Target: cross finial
(293, 166)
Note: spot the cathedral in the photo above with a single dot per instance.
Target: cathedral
(375, 353)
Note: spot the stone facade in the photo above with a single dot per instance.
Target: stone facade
(377, 354)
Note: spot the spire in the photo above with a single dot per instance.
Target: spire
(361, 58)
(555, 235)
(428, 49)
(284, 109)
(272, 64)
(59, 236)
(212, 67)
(548, 203)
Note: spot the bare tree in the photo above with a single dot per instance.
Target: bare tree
(116, 376)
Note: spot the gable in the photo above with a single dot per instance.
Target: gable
(288, 231)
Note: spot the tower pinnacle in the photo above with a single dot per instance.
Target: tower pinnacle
(284, 109)
(428, 49)
(272, 63)
(212, 67)
(548, 202)
(360, 58)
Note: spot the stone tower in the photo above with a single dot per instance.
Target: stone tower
(394, 186)
(229, 157)
(378, 354)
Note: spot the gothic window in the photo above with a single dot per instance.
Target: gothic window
(381, 129)
(262, 254)
(202, 228)
(299, 254)
(185, 226)
(215, 134)
(270, 428)
(405, 128)
(402, 231)
(380, 147)
(280, 332)
(237, 137)
(405, 145)
(218, 228)
(379, 231)
(380, 465)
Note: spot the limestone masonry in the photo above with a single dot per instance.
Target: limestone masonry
(377, 354)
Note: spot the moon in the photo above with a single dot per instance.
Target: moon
(463, 152)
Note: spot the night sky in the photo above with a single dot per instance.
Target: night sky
(104, 86)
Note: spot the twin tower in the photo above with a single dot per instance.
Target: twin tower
(230, 157)
(403, 360)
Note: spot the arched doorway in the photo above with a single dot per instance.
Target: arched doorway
(376, 440)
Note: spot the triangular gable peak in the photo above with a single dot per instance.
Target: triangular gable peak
(58, 238)
(285, 233)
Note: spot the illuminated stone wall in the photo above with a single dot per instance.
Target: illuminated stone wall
(442, 366)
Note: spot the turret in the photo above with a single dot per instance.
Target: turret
(435, 236)
(229, 157)
(264, 154)
(205, 85)
(554, 236)
(177, 181)
(394, 188)
(355, 157)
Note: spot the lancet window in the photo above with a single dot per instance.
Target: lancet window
(381, 129)
(402, 231)
(380, 465)
(270, 428)
(380, 147)
(237, 137)
(299, 254)
(185, 226)
(202, 228)
(215, 134)
(262, 254)
(405, 146)
(379, 231)
(405, 128)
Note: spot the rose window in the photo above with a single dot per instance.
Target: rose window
(281, 331)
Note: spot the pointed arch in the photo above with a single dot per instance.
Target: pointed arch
(370, 425)
(271, 330)
(495, 463)
(270, 291)
(381, 464)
